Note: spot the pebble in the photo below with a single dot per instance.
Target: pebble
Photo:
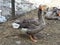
(55, 22)
(18, 42)
(48, 34)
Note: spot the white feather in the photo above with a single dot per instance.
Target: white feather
(15, 25)
(24, 30)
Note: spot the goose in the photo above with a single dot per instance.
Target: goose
(53, 14)
(34, 25)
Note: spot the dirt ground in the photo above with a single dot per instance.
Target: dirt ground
(49, 36)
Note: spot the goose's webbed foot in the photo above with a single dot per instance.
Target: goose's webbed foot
(33, 38)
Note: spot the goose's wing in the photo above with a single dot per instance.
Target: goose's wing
(36, 29)
(34, 21)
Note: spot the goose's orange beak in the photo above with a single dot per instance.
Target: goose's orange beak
(58, 14)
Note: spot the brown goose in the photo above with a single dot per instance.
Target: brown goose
(34, 25)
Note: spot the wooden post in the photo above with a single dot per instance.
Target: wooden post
(13, 8)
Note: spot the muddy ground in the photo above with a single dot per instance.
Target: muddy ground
(49, 36)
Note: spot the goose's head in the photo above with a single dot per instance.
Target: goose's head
(42, 7)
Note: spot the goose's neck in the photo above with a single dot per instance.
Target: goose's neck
(41, 17)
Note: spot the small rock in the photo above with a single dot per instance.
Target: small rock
(48, 34)
(18, 42)
(55, 22)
